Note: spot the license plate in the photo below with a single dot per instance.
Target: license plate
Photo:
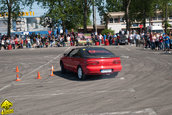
(106, 71)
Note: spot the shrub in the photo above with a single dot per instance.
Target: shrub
(107, 31)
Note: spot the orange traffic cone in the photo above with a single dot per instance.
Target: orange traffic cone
(52, 68)
(52, 73)
(38, 76)
(17, 77)
(17, 69)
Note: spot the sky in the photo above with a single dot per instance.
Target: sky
(38, 11)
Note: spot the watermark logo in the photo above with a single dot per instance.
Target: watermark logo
(6, 105)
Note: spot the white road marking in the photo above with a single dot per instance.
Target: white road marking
(125, 56)
(147, 111)
(8, 85)
(68, 92)
(38, 95)
(122, 78)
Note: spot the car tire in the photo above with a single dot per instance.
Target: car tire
(63, 70)
(80, 74)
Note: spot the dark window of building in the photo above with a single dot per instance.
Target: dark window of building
(116, 20)
(159, 17)
(135, 25)
(154, 18)
(111, 20)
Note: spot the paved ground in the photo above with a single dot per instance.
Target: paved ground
(143, 87)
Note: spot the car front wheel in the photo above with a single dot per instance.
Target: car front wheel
(80, 74)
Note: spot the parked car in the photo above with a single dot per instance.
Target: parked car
(90, 61)
(123, 40)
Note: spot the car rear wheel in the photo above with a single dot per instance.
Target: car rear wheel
(62, 68)
(80, 74)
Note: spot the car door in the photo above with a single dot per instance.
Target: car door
(76, 60)
(72, 59)
(67, 59)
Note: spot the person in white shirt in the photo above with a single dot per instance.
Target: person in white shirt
(131, 37)
(3, 43)
(137, 38)
(100, 38)
(28, 42)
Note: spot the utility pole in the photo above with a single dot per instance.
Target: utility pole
(94, 18)
(166, 21)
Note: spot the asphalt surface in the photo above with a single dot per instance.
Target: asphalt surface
(143, 87)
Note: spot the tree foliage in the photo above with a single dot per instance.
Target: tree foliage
(67, 13)
(142, 9)
(107, 31)
(166, 7)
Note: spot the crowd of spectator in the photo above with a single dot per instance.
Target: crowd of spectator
(36, 41)
(154, 41)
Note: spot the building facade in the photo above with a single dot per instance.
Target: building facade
(23, 24)
(116, 21)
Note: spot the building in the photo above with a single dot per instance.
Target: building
(23, 24)
(116, 21)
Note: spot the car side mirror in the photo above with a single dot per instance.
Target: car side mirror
(65, 54)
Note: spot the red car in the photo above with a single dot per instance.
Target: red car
(90, 61)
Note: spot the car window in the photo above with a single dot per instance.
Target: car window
(97, 52)
(78, 54)
(72, 53)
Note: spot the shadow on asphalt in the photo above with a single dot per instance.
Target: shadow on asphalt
(72, 76)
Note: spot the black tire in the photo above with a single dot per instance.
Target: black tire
(63, 70)
(80, 73)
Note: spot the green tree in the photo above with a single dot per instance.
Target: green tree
(70, 13)
(126, 6)
(107, 31)
(166, 7)
(142, 9)
(13, 8)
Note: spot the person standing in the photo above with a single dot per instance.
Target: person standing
(110, 38)
(104, 37)
(157, 41)
(167, 43)
(28, 42)
(0, 43)
(3, 43)
(171, 42)
(21, 43)
(161, 42)
(13, 43)
(100, 38)
(131, 38)
(16, 41)
(137, 39)
(153, 41)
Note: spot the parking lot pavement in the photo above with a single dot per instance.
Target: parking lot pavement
(143, 87)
